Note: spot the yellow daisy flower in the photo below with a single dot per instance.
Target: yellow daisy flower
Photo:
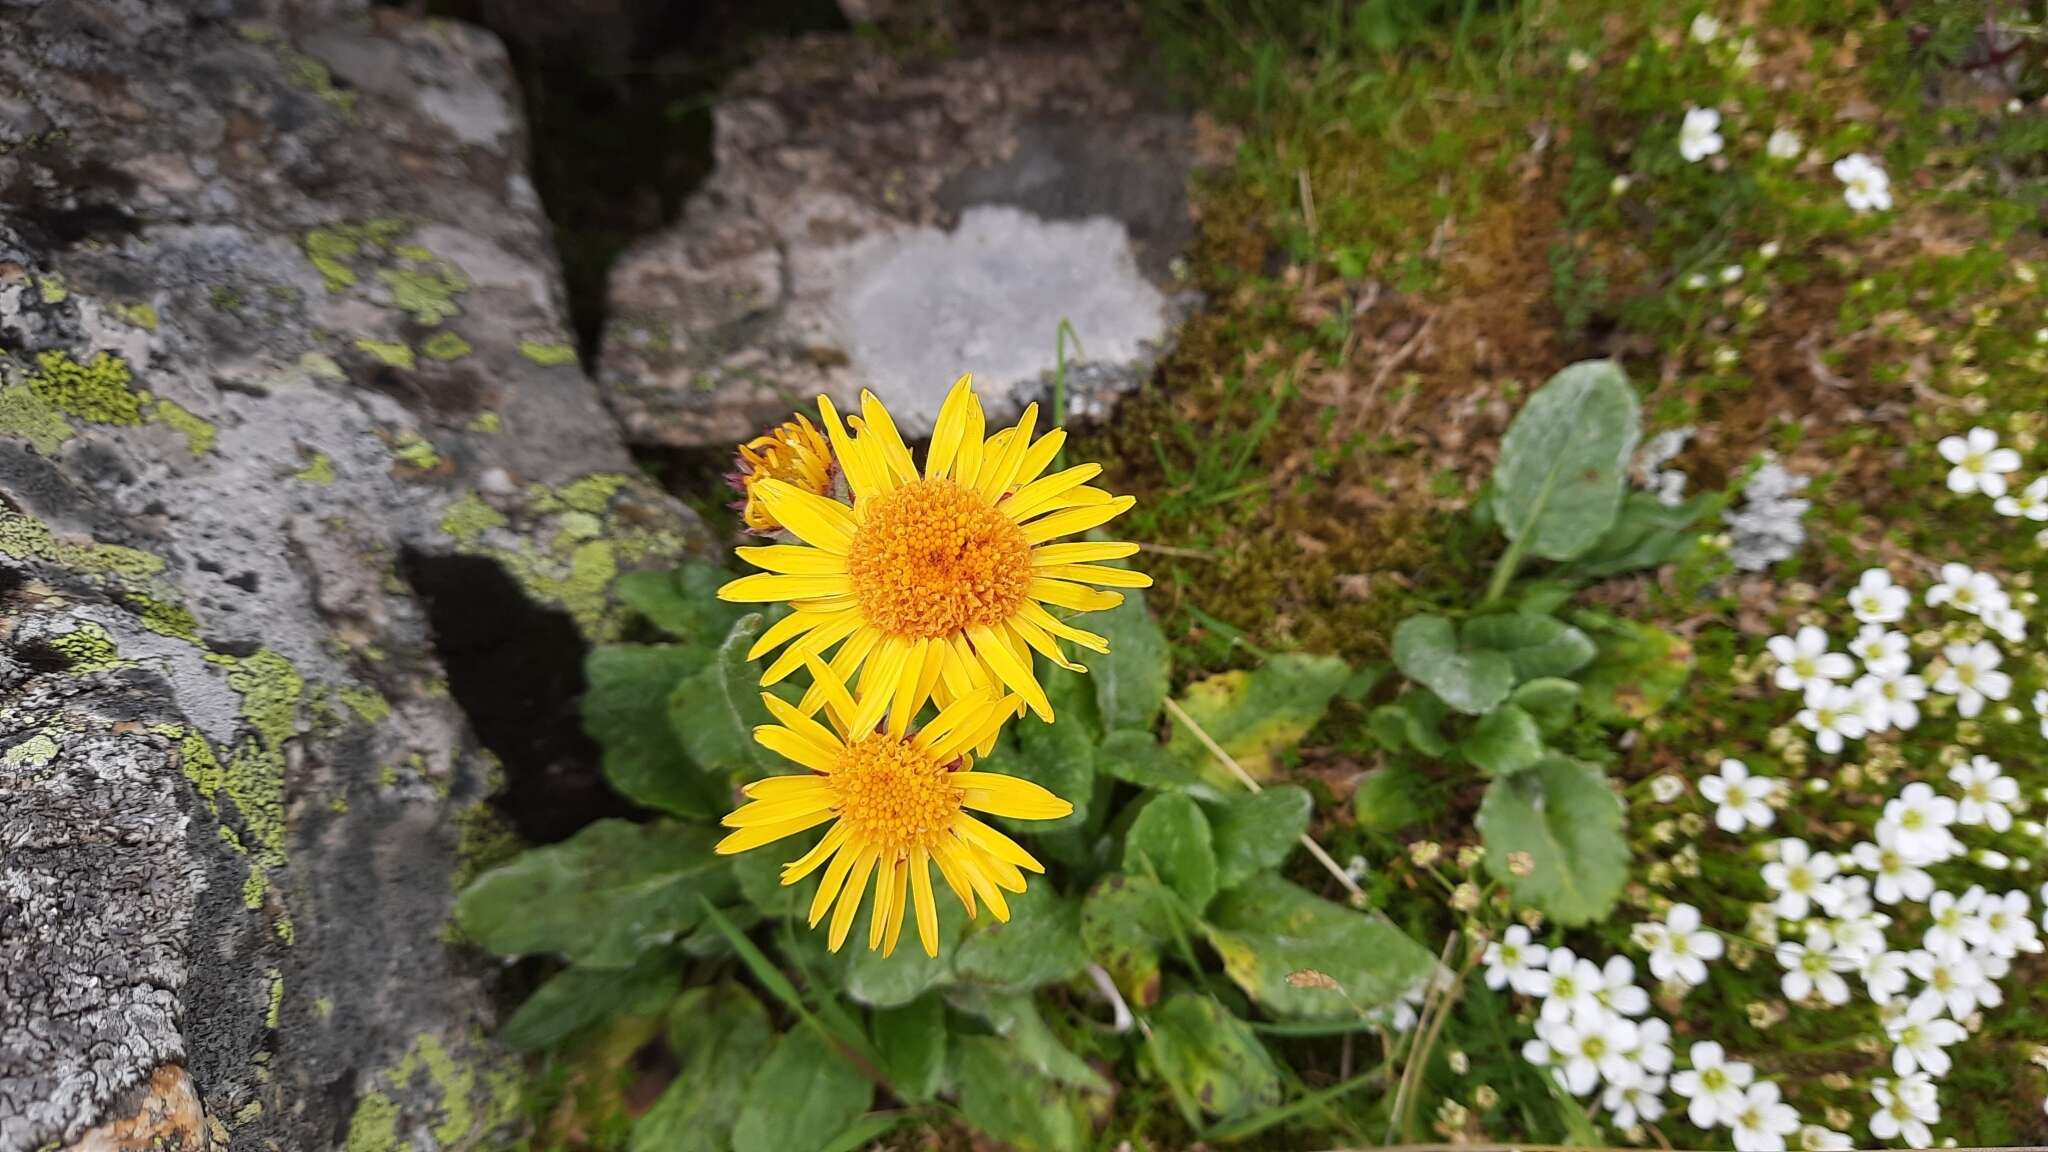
(793, 452)
(898, 804)
(933, 585)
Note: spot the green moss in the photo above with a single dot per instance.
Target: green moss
(446, 346)
(31, 753)
(199, 435)
(427, 293)
(319, 470)
(88, 648)
(367, 703)
(96, 390)
(25, 415)
(482, 841)
(413, 451)
(469, 518)
(392, 353)
(548, 355)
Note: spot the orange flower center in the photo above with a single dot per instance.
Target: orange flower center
(932, 559)
(892, 797)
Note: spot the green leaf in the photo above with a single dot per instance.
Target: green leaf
(625, 709)
(1423, 714)
(1564, 461)
(714, 710)
(719, 1036)
(1139, 758)
(1212, 1059)
(1057, 756)
(1426, 651)
(911, 1041)
(759, 875)
(1016, 1019)
(1131, 681)
(1390, 798)
(1257, 831)
(1171, 837)
(1639, 670)
(1647, 534)
(1388, 724)
(1550, 701)
(1126, 922)
(802, 1096)
(1040, 945)
(613, 891)
(683, 603)
(1553, 835)
(575, 998)
(1505, 741)
(1257, 715)
(1006, 1099)
(1267, 930)
(886, 981)
(1535, 645)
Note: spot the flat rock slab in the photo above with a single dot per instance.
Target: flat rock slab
(879, 223)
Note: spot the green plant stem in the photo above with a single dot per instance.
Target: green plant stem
(1504, 572)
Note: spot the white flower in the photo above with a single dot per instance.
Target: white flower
(1577, 61)
(1638, 1103)
(1920, 1038)
(1739, 798)
(1876, 600)
(1891, 701)
(2031, 503)
(1679, 947)
(1574, 986)
(1797, 876)
(1864, 185)
(2041, 710)
(1884, 975)
(1814, 1138)
(1897, 876)
(1967, 589)
(1973, 676)
(2009, 623)
(1594, 1047)
(1762, 1121)
(1704, 28)
(1713, 1086)
(1980, 464)
(1617, 988)
(1904, 1110)
(1804, 660)
(1666, 788)
(1987, 794)
(1784, 144)
(1515, 960)
(1833, 713)
(1700, 136)
(1881, 649)
(1920, 821)
(2009, 925)
(1731, 274)
(1955, 983)
(1653, 1046)
(1768, 250)
(1952, 922)
(1813, 967)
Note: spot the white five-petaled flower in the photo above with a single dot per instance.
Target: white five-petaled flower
(1905, 1108)
(1814, 1138)
(1864, 185)
(1952, 921)
(1515, 961)
(1639, 1103)
(1955, 983)
(1919, 819)
(1896, 875)
(1891, 699)
(1884, 975)
(1763, 1120)
(1988, 794)
(1804, 660)
(1920, 1038)
(1713, 1086)
(2041, 710)
(1813, 967)
(1704, 28)
(1973, 676)
(1592, 1047)
(1876, 600)
(1618, 991)
(1833, 713)
(1784, 144)
(1739, 798)
(1967, 590)
(2030, 503)
(1797, 876)
(1574, 986)
(2008, 925)
(1881, 649)
(1700, 136)
(1980, 465)
(1680, 947)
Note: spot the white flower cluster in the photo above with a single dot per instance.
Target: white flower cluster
(1978, 464)
(1766, 529)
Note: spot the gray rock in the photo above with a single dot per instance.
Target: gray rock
(284, 344)
(878, 223)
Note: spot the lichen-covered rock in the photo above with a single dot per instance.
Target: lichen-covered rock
(281, 345)
(883, 223)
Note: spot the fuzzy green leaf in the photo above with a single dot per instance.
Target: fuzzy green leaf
(802, 1096)
(1268, 929)
(1171, 837)
(1005, 1098)
(714, 711)
(1041, 944)
(1139, 758)
(1257, 831)
(1553, 835)
(911, 1041)
(1505, 741)
(625, 709)
(1213, 1060)
(719, 1036)
(1564, 461)
(1257, 715)
(1426, 651)
(1535, 645)
(577, 997)
(1549, 700)
(1125, 923)
(1639, 670)
(1131, 681)
(683, 603)
(886, 981)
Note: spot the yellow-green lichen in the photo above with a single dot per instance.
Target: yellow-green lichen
(252, 778)
(429, 292)
(25, 415)
(367, 703)
(321, 366)
(414, 451)
(276, 999)
(141, 314)
(96, 390)
(31, 753)
(482, 841)
(392, 353)
(310, 74)
(323, 1007)
(451, 1090)
(374, 1125)
(469, 518)
(51, 288)
(199, 435)
(445, 345)
(249, 1113)
(24, 537)
(164, 617)
(319, 470)
(485, 422)
(88, 648)
(548, 355)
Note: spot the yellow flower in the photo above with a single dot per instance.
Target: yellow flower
(898, 804)
(793, 453)
(934, 585)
